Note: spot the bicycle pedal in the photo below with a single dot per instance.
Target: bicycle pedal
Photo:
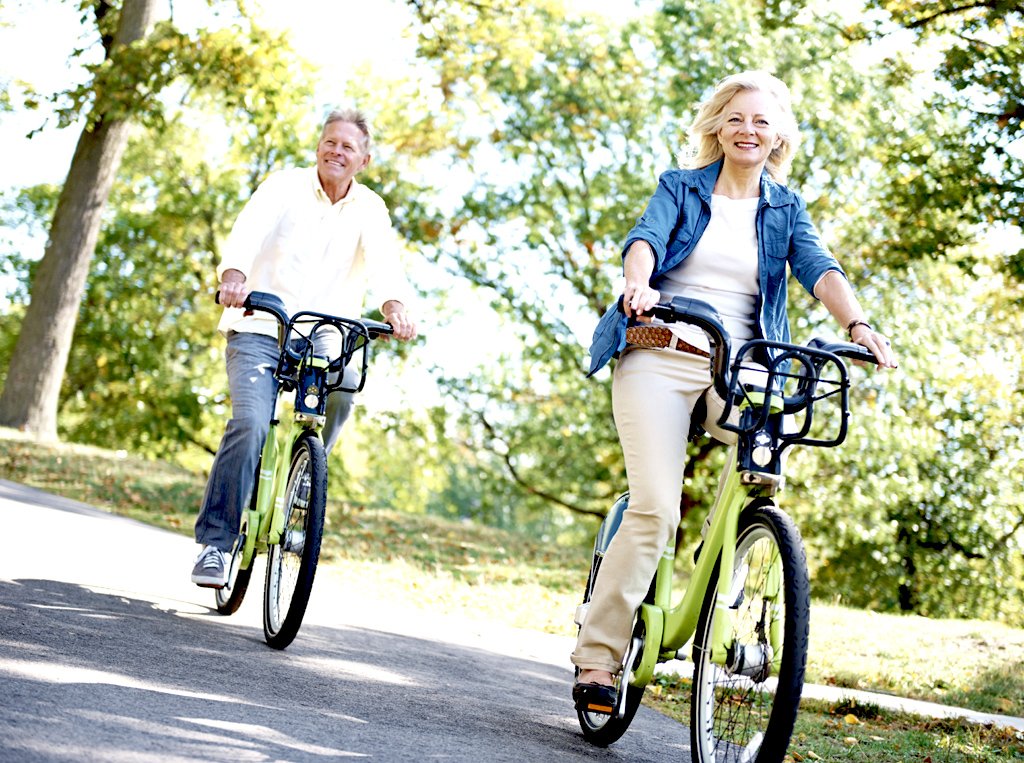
(595, 698)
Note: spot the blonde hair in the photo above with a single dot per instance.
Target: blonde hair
(704, 146)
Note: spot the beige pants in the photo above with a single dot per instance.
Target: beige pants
(653, 395)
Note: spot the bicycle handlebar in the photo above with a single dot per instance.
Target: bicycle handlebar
(811, 359)
(355, 333)
(855, 352)
(702, 315)
(271, 303)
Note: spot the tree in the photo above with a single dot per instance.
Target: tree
(31, 391)
(980, 48)
(920, 510)
(143, 370)
(244, 72)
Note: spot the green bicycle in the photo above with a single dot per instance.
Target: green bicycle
(750, 624)
(285, 517)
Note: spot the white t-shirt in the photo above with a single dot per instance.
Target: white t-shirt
(722, 270)
(291, 241)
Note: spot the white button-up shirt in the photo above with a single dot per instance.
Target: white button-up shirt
(291, 241)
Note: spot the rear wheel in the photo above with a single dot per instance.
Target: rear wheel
(291, 563)
(599, 728)
(745, 711)
(229, 598)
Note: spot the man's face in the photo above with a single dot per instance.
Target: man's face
(340, 154)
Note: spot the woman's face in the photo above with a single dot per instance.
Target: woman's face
(750, 130)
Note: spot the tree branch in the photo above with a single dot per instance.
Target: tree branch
(526, 486)
(925, 20)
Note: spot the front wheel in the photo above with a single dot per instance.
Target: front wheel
(745, 710)
(291, 563)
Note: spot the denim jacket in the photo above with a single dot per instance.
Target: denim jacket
(676, 218)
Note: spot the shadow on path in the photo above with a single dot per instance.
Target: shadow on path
(87, 675)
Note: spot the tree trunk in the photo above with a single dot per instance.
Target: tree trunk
(32, 389)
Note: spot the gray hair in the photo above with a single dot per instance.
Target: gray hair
(353, 117)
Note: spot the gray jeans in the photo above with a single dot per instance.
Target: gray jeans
(251, 360)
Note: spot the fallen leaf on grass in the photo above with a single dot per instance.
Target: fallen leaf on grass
(851, 719)
(850, 741)
(813, 755)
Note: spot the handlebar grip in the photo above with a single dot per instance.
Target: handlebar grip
(376, 328)
(261, 300)
(849, 350)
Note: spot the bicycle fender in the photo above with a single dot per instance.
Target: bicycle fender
(611, 523)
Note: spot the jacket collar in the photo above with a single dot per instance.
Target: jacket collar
(772, 194)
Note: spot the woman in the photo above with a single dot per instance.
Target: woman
(722, 231)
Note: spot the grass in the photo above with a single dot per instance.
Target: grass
(481, 572)
(864, 733)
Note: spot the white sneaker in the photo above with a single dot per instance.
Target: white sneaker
(211, 570)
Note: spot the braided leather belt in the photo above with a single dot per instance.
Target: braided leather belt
(659, 336)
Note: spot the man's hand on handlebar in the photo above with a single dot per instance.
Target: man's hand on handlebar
(394, 314)
(232, 289)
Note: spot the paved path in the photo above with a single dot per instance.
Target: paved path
(109, 653)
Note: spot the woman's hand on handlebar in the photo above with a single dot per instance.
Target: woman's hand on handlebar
(638, 296)
(232, 289)
(877, 343)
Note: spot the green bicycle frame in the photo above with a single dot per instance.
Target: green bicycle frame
(268, 517)
(667, 629)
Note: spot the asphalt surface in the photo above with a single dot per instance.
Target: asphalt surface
(109, 653)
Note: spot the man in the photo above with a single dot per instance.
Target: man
(317, 239)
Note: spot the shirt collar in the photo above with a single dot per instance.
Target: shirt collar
(321, 194)
(772, 194)
(706, 179)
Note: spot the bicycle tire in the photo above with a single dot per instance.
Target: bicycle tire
(291, 564)
(229, 598)
(599, 729)
(754, 720)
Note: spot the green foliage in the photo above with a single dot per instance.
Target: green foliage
(515, 165)
(145, 369)
(142, 370)
(919, 511)
(582, 119)
(980, 57)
